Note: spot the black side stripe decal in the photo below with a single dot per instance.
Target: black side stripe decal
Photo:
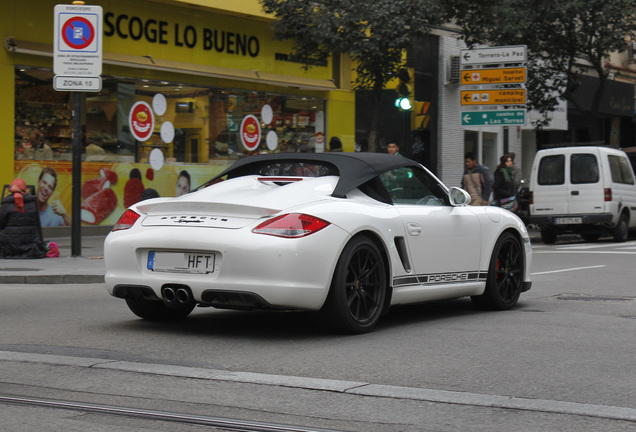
(440, 278)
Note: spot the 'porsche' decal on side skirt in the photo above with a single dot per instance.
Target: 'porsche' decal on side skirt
(439, 278)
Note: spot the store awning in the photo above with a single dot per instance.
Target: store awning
(147, 62)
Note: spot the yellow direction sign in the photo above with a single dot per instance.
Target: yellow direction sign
(494, 97)
(516, 75)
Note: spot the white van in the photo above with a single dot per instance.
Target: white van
(585, 190)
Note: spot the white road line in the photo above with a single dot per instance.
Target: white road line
(597, 246)
(346, 387)
(567, 270)
(586, 252)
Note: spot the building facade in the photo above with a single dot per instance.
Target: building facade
(186, 89)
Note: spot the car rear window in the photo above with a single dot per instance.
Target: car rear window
(551, 170)
(295, 168)
(620, 169)
(583, 168)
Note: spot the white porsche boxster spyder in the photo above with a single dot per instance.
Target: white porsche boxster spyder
(349, 234)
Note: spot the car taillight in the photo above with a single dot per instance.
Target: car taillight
(127, 220)
(531, 198)
(291, 225)
(608, 194)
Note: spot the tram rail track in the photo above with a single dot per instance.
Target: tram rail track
(228, 424)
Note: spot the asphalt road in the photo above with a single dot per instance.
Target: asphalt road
(564, 359)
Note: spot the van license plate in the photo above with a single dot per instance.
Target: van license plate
(568, 220)
(181, 262)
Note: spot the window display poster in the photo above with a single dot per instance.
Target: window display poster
(109, 188)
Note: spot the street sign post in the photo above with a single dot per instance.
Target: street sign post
(77, 65)
(515, 117)
(493, 55)
(493, 97)
(514, 75)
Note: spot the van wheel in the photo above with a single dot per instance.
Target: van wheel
(621, 231)
(548, 235)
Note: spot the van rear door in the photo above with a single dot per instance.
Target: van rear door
(585, 191)
(550, 193)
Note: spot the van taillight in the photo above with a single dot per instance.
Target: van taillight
(531, 198)
(608, 194)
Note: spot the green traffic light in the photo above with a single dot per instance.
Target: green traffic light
(403, 103)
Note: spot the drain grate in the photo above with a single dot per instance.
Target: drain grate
(594, 298)
(19, 269)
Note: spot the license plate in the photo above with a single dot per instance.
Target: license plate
(567, 221)
(181, 262)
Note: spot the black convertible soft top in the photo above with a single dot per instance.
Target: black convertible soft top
(353, 169)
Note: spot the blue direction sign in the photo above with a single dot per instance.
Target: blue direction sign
(513, 117)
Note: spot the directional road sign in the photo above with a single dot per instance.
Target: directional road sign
(494, 118)
(502, 54)
(514, 75)
(493, 97)
(77, 47)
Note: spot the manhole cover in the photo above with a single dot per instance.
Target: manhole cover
(593, 298)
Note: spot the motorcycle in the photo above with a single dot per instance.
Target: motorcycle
(523, 200)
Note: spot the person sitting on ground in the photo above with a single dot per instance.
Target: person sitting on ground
(20, 230)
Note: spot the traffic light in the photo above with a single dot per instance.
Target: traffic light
(404, 89)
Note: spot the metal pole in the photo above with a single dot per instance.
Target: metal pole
(76, 221)
(506, 139)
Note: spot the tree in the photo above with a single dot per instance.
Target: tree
(374, 34)
(564, 38)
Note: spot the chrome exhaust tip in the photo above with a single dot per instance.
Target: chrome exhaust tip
(169, 295)
(183, 295)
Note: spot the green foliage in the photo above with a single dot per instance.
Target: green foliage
(374, 34)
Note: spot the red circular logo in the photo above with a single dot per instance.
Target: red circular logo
(141, 121)
(250, 132)
(320, 137)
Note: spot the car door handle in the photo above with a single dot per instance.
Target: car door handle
(414, 229)
(574, 193)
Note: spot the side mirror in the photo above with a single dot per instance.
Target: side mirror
(458, 197)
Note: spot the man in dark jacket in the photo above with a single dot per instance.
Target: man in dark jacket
(476, 181)
(20, 230)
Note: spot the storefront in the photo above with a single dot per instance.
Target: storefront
(185, 92)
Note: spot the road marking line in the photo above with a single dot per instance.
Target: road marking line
(345, 387)
(567, 270)
(597, 246)
(586, 252)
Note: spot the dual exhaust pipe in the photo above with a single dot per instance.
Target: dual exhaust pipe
(176, 295)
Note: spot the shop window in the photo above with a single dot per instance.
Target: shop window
(188, 124)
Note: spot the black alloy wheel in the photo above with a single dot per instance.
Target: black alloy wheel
(505, 275)
(358, 288)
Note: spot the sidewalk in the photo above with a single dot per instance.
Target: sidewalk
(87, 268)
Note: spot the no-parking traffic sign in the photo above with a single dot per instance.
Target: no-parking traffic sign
(77, 50)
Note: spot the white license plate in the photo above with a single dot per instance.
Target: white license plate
(567, 221)
(181, 262)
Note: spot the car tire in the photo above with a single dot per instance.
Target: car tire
(548, 235)
(621, 231)
(505, 275)
(358, 288)
(154, 310)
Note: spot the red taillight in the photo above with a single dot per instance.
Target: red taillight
(608, 194)
(531, 197)
(127, 220)
(291, 225)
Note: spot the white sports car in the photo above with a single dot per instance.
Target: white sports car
(350, 234)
